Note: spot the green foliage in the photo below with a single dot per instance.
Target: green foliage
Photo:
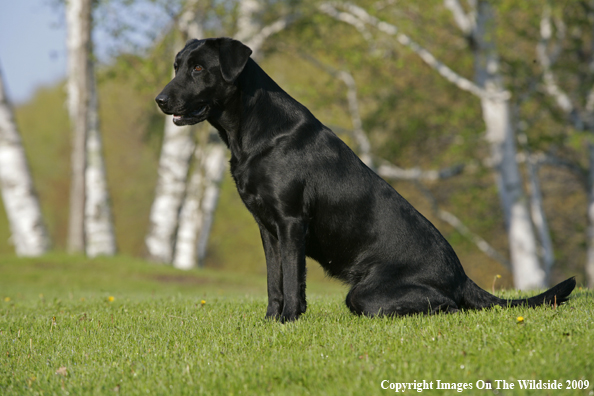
(206, 336)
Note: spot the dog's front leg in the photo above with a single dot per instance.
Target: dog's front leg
(274, 274)
(291, 236)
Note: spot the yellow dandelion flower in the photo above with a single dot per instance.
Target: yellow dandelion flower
(498, 276)
(202, 302)
(7, 299)
(110, 298)
(520, 319)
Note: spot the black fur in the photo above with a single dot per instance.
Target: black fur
(312, 196)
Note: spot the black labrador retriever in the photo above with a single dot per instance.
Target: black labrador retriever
(312, 196)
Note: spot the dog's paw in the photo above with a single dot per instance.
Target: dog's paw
(272, 316)
(286, 318)
(274, 311)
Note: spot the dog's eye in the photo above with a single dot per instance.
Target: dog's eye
(175, 66)
(197, 68)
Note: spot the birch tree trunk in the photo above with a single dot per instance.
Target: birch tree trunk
(214, 168)
(190, 219)
(522, 242)
(527, 271)
(197, 213)
(174, 164)
(99, 230)
(91, 224)
(29, 234)
(78, 18)
(537, 211)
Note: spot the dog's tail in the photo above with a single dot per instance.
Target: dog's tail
(477, 298)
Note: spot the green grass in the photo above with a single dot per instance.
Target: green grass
(60, 334)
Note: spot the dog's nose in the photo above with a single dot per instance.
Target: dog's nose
(161, 100)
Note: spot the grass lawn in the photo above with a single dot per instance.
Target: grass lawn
(78, 326)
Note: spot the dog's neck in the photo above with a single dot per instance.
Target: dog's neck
(256, 114)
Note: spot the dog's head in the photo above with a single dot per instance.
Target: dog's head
(205, 72)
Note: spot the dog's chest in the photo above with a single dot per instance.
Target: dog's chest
(253, 199)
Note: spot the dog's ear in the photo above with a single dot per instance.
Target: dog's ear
(190, 41)
(233, 55)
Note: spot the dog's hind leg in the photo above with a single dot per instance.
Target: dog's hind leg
(388, 300)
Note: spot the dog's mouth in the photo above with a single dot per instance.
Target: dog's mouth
(191, 118)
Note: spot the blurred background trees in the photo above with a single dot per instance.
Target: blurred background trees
(28, 232)
(479, 113)
(90, 227)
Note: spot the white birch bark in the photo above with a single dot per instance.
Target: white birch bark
(78, 18)
(190, 21)
(174, 164)
(99, 230)
(91, 224)
(527, 271)
(190, 219)
(539, 218)
(214, 169)
(358, 132)
(28, 232)
(247, 26)
(522, 242)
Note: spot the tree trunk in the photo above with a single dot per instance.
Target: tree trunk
(190, 218)
(99, 230)
(247, 26)
(174, 163)
(29, 234)
(522, 241)
(78, 17)
(90, 227)
(178, 146)
(539, 218)
(197, 213)
(501, 136)
(214, 170)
